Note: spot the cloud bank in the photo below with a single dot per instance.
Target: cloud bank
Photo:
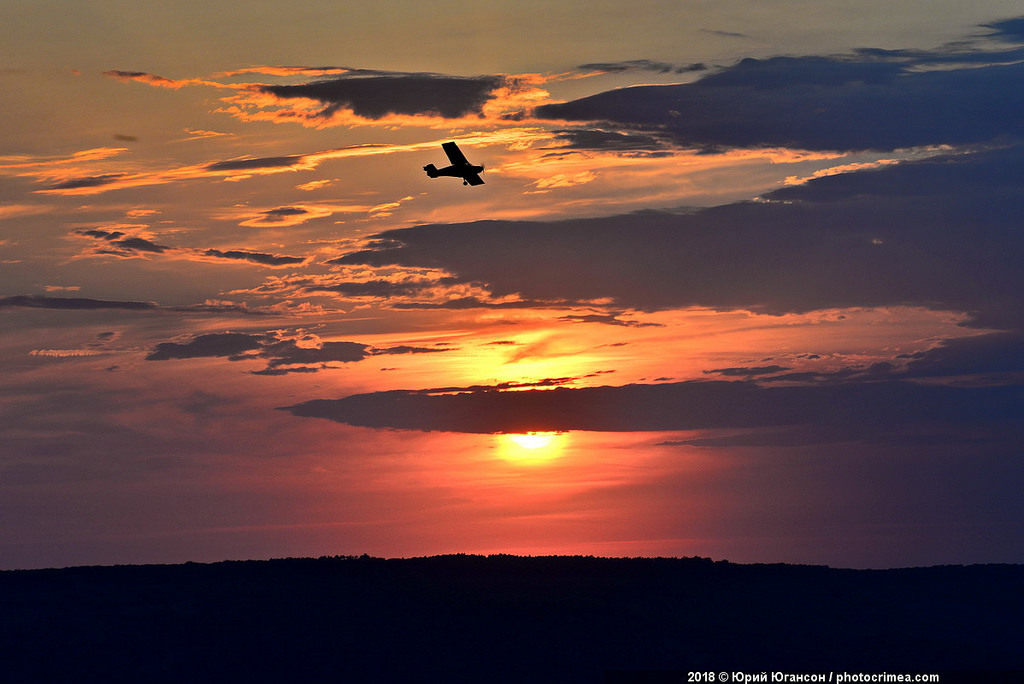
(821, 413)
(939, 233)
(872, 99)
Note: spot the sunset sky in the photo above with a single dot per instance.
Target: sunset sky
(744, 281)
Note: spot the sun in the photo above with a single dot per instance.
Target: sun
(532, 447)
(533, 440)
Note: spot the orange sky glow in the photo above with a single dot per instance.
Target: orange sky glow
(730, 288)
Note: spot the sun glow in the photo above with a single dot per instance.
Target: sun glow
(531, 447)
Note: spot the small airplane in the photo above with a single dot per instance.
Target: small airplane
(460, 167)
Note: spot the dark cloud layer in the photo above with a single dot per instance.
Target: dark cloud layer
(72, 303)
(746, 372)
(87, 304)
(255, 257)
(289, 353)
(382, 288)
(871, 99)
(376, 96)
(213, 344)
(255, 163)
(941, 233)
(997, 354)
(122, 244)
(846, 411)
(86, 182)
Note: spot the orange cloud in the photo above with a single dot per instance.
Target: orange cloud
(161, 81)
(30, 162)
(19, 210)
(294, 215)
(508, 101)
(285, 71)
(842, 168)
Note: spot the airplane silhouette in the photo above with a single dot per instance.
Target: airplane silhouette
(460, 167)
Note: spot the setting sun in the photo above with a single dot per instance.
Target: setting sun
(531, 446)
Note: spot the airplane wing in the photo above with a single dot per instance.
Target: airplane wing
(474, 179)
(455, 155)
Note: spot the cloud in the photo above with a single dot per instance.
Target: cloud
(747, 372)
(605, 140)
(212, 344)
(865, 100)
(342, 95)
(401, 288)
(119, 241)
(996, 354)
(88, 304)
(368, 97)
(34, 162)
(725, 34)
(287, 352)
(249, 164)
(1008, 29)
(88, 172)
(314, 185)
(610, 318)
(463, 303)
(376, 96)
(255, 257)
(640, 65)
(65, 353)
(406, 349)
(385, 289)
(564, 180)
(284, 216)
(10, 211)
(72, 303)
(987, 359)
(282, 354)
(137, 244)
(150, 79)
(856, 411)
(87, 182)
(939, 233)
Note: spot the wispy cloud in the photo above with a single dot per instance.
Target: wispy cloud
(135, 241)
(90, 304)
(641, 65)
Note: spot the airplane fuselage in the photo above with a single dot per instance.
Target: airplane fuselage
(453, 171)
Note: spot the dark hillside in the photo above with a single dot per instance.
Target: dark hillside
(499, 619)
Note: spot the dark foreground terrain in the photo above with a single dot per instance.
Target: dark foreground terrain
(501, 619)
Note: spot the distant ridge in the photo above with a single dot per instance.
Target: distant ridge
(500, 619)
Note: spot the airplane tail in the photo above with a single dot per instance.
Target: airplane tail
(431, 170)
